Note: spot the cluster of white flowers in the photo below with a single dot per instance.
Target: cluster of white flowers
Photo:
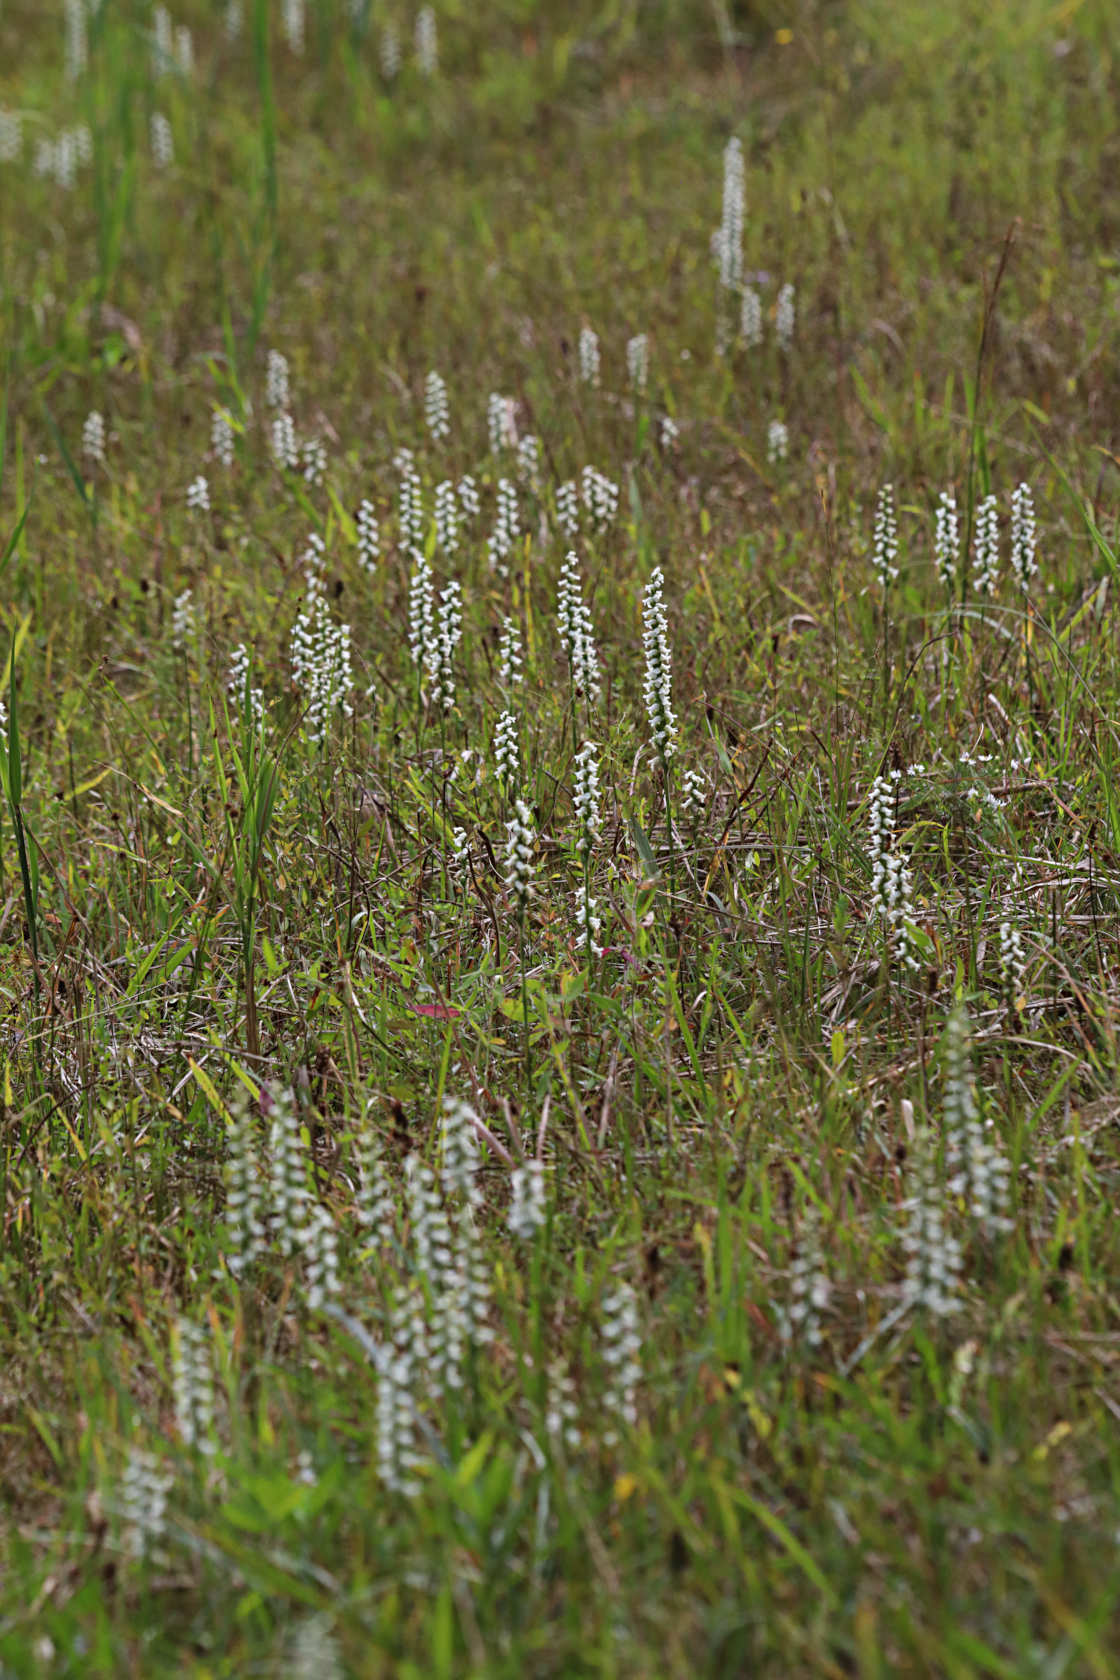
(658, 687)
(946, 538)
(985, 547)
(1023, 537)
(421, 611)
(295, 24)
(978, 1168)
(234, 18)
(277, 381)
(585, 800)
(447, 521)
(369, 537)
(192, 1379)
(809, 1288)
(427, 45)
(600, 497)
(577, 635)
(289, 1198)
(314, 461)
(528, 1208)
(320, 650)
(588, 355)
(183, 621)
(437, 408)
(247, 698)
(145, 1487)
(390, 53)
(729, 240)
(320, 1243)
(441, 655)
(77, 43)
(670, 431)
(884, 554)
(285, 449)
(777, 442)
(693, 793)
(622, 1346)
(469, 499)
(521, 844)
(376, 1204)
(245, 1194)
(507, 526)
(561, 1420)
(11, 135)
(510, 662)
(501, 422)
(410, 504)
(163, 39)
(567, 507)
(163, 141)
(221, 437)
(750, 318)
(507, 752)
(1012, 961)
(890, 878)
(637, 362)
(61, 158)
(198, 495)
(398, 1461)
(93, 438)
(529, 461)
(933, 1255)
(785, 316)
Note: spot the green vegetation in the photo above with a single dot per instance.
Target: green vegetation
(798, 1354)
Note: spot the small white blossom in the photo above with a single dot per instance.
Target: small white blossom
(507, 751)
(1023, 537)
(163, 143)
(528, 1210)
(529, 461)
(198, 495)
(777, 442)
(501, 422)
(588, 356)
(295, 24)
(885, 540)
(390, 53)
(567, 507)
(621, 1347)
(447, 523)
(184, 624)
(277, 381)
(693, 796)
(659, 668)
(637, 362)
(437, 408)
(145, 1487)
(469, 499)
(985, 547)
(510, 661)
(238, 685)
(369, 538)
(576, 630)
(285, 450)
(221, 437)
(192, 1378)
(933, 1255)
(600, 497)
(890, 878)
(427, 45)
(947, 538)
(314, 462)
(520, 847)
(93, 438)
(750, 318)
(785, 316)
(449, 631)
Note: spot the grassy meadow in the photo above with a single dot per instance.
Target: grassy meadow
(559, 839)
